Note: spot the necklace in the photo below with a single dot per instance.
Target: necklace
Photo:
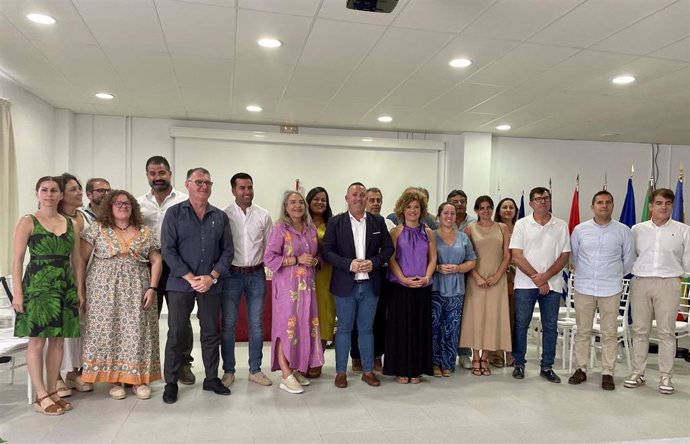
(123, 229)
(74, 215)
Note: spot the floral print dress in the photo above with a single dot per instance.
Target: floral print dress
(295, 319)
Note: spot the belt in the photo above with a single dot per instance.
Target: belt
(361, 281)
(251, 269)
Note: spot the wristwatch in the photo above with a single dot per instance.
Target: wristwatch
(214, 281)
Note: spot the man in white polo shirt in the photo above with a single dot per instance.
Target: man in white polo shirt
(663, 258)
(602, 254)
(540, 247)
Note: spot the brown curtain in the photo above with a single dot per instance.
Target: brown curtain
(9, 206)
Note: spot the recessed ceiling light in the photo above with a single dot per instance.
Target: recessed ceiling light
(623, 80)
(41, 18)
(385, 119)
(460, 63)
(259, 135)
(105, 96)
(367, 139)
(503, 127)
(270, 43)
(254, 108)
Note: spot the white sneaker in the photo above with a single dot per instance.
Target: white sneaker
(142, 392)
(228, 379)
(260, 378)
(665, 386)
(634, 381)
(466, 362)
(291, 385)
(301, 379)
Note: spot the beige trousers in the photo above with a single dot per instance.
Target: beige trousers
(654, 298)
(585, 309)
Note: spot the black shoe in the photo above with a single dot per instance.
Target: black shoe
(170, 393)
(519, 372)
(550, 376)
(214, 385)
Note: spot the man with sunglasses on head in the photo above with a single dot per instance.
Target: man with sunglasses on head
(154, 204)
(96, 189)
(197, 246)
(540, 246)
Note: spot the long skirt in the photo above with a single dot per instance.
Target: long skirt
(409, 346)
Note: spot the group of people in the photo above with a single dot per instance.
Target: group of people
(405, 295)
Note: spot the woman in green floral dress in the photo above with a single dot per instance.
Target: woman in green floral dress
(46, 298)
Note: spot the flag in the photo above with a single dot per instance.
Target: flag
(521, 211)
(678, 213)
(628, 211)
(574, 219)
(646, 214)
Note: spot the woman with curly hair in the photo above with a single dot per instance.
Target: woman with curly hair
(291, 253)
(409, 347)
(121, 337)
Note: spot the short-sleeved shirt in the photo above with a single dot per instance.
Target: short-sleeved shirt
(541, 246)
(461, 251)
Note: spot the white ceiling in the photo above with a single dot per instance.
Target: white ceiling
(542, 66)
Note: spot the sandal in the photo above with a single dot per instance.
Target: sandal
(416, 380)
(476, 368)
(484, 367)
(445, 372)
(64, 405)
(402, 380)
(437, 371)
(50, 410)
(62, 390)
(497, 360)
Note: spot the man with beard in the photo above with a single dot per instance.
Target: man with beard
(96, 189)
(153, 206)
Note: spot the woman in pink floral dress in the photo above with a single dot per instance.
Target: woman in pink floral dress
(291, 253)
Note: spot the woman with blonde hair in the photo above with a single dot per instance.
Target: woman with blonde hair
(409, 346)
(291, 253)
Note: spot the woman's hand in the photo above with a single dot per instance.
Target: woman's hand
(149, 296)
(82, 301)
(18, 303)
(307, 259)
(480, 281)
(447, 268)
(416, 282)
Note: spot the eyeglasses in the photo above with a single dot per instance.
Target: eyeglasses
(201, 183)
(541, 199)
(119, 204)
(101, 190)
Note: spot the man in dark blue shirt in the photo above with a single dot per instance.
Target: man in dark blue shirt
(197, 246)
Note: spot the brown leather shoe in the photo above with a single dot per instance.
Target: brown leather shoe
(341, 380)
(378, 364)
(371, 379)
(313, 372)
(607, 382)
(578, 377)
(356, 365)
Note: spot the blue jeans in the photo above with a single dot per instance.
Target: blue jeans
(253, 285)
(525, 298)
(359, 305)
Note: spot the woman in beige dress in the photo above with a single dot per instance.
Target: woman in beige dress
(486, 320)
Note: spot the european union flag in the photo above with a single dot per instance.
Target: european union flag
(628, 212)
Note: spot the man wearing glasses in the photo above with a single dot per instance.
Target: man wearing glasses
(540, 246)
(154, 204)
(96, 190)
(197, 246)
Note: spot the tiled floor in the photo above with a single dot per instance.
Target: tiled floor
(463, 408)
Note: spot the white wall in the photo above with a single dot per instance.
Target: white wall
(33, 121)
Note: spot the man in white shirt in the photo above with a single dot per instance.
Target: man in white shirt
(154, 205)
(250, 226)
(602, 253)
(540, 246)
(663, 258)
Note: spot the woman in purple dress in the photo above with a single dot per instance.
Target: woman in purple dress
(409, 347)
(291, 253)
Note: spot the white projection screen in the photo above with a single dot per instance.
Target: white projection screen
(276, 160)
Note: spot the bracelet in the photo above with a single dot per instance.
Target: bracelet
(153, 288)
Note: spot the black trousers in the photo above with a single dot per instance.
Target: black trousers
(188, 342)
(180, 306)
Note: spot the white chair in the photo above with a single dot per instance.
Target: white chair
(11, 347)
(682, 327)
(622, 331)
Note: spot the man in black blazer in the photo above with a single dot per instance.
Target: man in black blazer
(357, 245)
